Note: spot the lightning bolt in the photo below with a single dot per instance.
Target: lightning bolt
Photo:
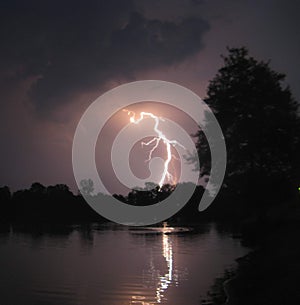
(166, 175)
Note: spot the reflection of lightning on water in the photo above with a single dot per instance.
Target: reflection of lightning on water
(162, 280)
(156, 140)
(166, 280)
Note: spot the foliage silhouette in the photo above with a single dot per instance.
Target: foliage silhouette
(87, 186)
(260, 122)
(45, 204)
(57, 204)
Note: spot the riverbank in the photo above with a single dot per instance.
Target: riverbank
(270, 273)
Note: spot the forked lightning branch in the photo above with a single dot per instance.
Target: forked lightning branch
(161, 137)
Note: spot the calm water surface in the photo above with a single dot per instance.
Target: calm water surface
(114, 265)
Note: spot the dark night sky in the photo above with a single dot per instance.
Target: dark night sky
(56, 57)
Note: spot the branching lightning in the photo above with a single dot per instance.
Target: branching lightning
(166, 175)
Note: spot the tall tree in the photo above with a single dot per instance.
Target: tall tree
(260, 122)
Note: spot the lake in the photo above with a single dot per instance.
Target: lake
(114, 265)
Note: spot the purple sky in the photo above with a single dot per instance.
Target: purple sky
(56, 57)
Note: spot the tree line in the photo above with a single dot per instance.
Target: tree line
(58, 204)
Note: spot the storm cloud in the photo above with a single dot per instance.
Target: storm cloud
(73, 46)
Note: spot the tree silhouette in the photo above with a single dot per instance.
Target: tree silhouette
(37, 187)
(258, 117)
(87, 186)
(5, 197)
(151, 193)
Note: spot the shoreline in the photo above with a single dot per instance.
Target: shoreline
(269, 274)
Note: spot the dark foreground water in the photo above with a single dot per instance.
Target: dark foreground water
(113, 265)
